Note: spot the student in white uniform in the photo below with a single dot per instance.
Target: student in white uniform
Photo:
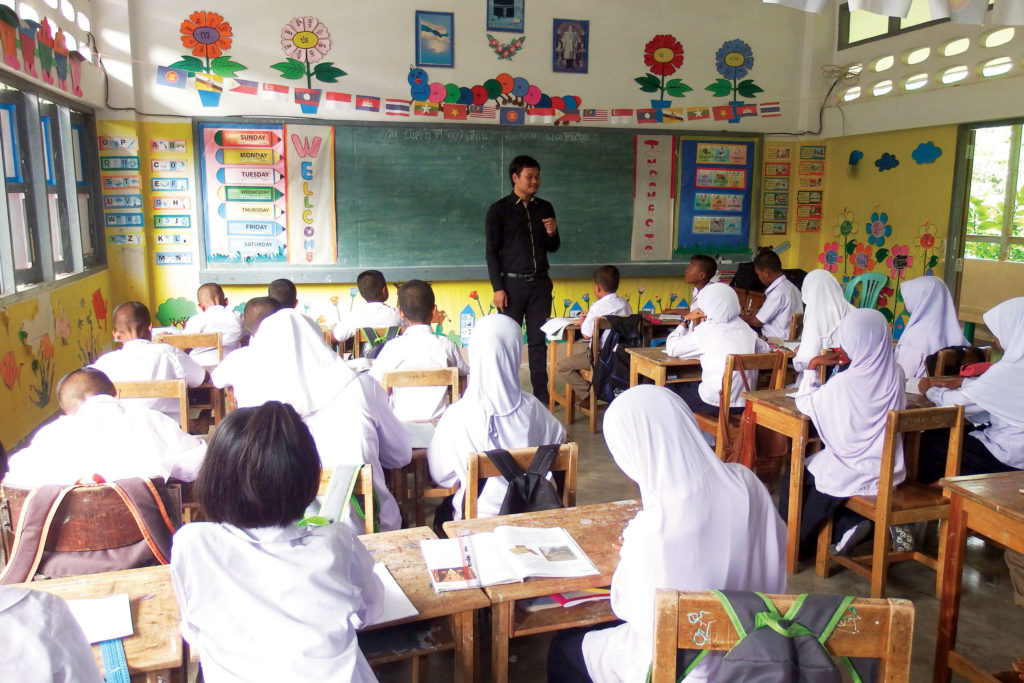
(261, 598)
(347, 412)
(704, 525)
(494, 413)
(418, 348)
(284, 292)
(824, 308)
(722, 333)
(933, 324)
(214, 316)
(98, 435)
(606, 284)
(781, 299)
(140, 359)
(699, 274)
(994, 403)
(376, 313)
(849, 414)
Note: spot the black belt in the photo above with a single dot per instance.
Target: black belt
(528, 277)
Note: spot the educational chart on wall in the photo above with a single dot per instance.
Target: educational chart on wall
(775, 197)
(268, 193)
(810, 185)
(716, 181)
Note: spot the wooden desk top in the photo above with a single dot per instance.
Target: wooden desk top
(156, 645)
(777, 399)
(400, 553)
(999, 492)
(656, 354)
(596, 528)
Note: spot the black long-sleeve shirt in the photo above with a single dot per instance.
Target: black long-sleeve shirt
(516, 239)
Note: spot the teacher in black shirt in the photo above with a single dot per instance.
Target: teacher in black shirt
(521, 230)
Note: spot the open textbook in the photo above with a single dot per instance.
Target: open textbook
(505, 555)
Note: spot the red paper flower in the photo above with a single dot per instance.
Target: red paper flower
(99, 306)
(9, 369)
(474, 295)
(206, 34)
(663, 54)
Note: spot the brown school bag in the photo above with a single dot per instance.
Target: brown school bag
(758, 448)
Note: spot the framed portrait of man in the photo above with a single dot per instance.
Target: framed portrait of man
(570, 47)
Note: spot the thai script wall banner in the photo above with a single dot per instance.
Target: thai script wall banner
(309, 163)
(653, 190)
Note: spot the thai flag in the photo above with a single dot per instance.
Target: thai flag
(770, 109)
(396, 107)
(367, 103)
(595, 114)
(244, 87)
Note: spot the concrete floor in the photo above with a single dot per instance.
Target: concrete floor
(991, 628)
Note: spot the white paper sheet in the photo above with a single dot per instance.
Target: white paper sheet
(396, 603)
(104, 618)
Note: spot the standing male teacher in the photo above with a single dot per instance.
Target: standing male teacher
(521, 230)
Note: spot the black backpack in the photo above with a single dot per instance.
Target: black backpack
(376, 342)
(611, 370)
(529, 491)
(788, 648)
(962, 355)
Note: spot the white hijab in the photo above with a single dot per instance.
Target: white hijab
(722, 323)
(495, 354)
(824, 307)
(1000, 390)
(704, 525)
(933, 323)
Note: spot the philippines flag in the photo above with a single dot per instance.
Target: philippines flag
(455, 112)
(770, 109)
(541, 115)
(723, 112)
(512, 116)
(622, 116)
(337, 100)
(396, 107)
(646, 116)
(482, 111)
(172, 78)
(697, 113)
(244, 87)
(367, 103)
(273, 91)
(595, 114)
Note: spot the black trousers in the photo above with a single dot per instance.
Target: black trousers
(976, 459)
(688, 391)
(532, 300)
(565, 655)
(817, 507)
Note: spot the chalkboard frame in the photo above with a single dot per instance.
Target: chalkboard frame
(254, 274)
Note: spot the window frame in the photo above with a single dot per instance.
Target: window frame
(1005, 238)
(843, 28)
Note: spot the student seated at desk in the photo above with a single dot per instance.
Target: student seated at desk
(376, 313)
(699, 274)
(261, 598)
(284, 292)
(347, 412)
(933, 324)
(849, 414)
(781, 298)
(824, 308)
(494, 413)
(99, 435)
(214, 316)
(140, 359)
(704, 525)
(994, 403)
(606, 284)
(722, 333)
(417, 349)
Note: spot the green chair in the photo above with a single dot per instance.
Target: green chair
(871, 287)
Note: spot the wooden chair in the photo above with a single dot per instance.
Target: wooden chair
(882, 629)
(363, 488)
(725, 426)
(158, 388)
(908, 503)
(796, 327)
(480, 467)
(358, 339)
(600, 324)
(187, 342)
(439, 377)
(945, 359)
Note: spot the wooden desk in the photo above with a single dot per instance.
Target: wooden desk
(565, 398)
(655, 364)
(653, 325)
(400, 553)
(156, 648)
(597, 529)
(986, 504)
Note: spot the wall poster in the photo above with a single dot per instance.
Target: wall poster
(716, 181)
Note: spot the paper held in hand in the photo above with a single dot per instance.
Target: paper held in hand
(506, 555)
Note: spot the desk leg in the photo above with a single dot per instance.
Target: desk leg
(952, 585)
(552, 359)
(660, 376)
(634, 371)
(796, 484)
(465, 647)
(501, 620)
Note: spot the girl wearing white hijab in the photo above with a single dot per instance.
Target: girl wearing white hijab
(849, 414)
(933, 324)
(704, 525)
(493, 413)
(996, 400)
(824, 307)
(722, 333)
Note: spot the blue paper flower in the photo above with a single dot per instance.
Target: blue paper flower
(878, 229)
(734, 59)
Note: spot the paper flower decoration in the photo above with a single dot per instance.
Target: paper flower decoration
(663, 54)
(506, 50)
(10, 369)
(878, 229)
(862, 259)
(306, 40)
(733, 61)
(899, 261)
(927, 240)
(830, 258)
(207, 35)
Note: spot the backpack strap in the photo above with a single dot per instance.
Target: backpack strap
(143, 501)
(37, 515)
(502, 459)
(541, 463)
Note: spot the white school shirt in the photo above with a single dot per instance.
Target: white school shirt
(609, 304)
(373, 314)
(140, 360)
(42, 641)
(781, 301)
(277, 603)
(107, 438)
(215, 319)
(418, 348)
(1003, 439)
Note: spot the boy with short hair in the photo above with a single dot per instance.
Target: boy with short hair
(782, 298)
(376, 313)
(214, 316)
(606, 284)
(285, 293)
(418, 348)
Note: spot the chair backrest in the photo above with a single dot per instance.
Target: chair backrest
(480, 467)
(946, 359)
(909, 424)
(157, 388)
(776, 362)
(187, 342)
(438, 377)
(871, 287)
(363, 489)
(796, 326)
(880, 629)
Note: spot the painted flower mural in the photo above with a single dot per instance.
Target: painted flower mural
(830, 258)
(899, 261)
(733, 61)
(663, 55)
(845, 229)
(207, 35)
(863, 259)
(927, 241)
(306, 41)
(878, 229)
